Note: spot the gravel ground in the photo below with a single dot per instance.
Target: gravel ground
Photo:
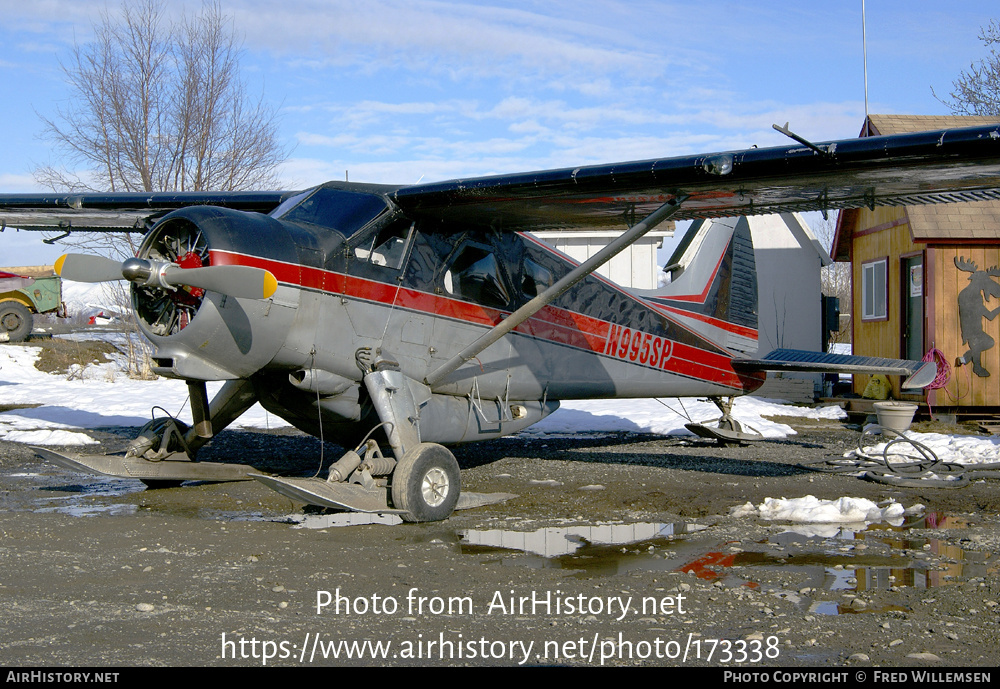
(618, 550)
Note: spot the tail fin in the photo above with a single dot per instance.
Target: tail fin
(713, 287)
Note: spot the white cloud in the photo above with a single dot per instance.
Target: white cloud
(458, 39)
(16, 183)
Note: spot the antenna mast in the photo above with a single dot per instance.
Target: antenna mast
(864, 47)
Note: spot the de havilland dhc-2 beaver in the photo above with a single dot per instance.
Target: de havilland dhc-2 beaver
(397, 320)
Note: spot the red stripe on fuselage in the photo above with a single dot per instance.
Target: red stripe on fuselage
(715, 322)
(552, 324)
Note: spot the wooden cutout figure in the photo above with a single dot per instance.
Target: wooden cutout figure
(972, 309)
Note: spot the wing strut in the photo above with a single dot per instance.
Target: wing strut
(627, 238)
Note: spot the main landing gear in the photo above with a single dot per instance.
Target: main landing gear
(421, 482)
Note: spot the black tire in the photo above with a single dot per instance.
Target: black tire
(15, 320)
(426, 483)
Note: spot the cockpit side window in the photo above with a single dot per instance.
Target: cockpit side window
(388, 246)
(475, 275)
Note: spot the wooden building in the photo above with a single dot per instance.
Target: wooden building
(927, 277)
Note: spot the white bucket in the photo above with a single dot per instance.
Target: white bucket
(896, 416)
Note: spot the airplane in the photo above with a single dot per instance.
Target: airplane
(399, 320)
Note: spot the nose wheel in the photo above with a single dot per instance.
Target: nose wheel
(426, 483)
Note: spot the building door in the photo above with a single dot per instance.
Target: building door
(913, 307)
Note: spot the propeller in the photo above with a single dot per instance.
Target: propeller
(235, 281)
(87, 268)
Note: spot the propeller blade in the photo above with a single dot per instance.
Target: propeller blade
(87, 268)
(235, 281)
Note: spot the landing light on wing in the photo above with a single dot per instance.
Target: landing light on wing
(719, 165)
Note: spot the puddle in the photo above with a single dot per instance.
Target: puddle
(837, 559)
(85, 495)
(592, 549)
(76, 495)
(77, 510)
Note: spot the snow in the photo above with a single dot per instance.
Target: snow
(102, 395)
(84, 299)
(812, 510)
(666, 417)
(99, 395)
(956, 449)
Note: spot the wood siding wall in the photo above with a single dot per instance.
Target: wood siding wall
(965, 388)
(880, 234)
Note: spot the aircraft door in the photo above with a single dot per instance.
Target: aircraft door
(477, 295)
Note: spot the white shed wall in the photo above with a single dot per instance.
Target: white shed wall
(635, 267)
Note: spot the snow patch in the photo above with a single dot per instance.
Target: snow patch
(812, 510)
(968, 450)
(667, 417)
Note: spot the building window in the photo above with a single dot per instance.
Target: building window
(874, 290)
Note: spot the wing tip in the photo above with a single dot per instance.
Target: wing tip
(922, 377)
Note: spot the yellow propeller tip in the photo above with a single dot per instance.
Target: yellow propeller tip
(270, 284)
(59, 264)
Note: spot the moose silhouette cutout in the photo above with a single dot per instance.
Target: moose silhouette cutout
(972, 309)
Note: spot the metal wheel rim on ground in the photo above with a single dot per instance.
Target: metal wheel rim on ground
(435, 487)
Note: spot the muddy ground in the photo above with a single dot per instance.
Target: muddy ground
(618, 550)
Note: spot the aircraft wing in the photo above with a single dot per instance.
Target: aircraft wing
(908, 169)
(904, 169)
(121, 211)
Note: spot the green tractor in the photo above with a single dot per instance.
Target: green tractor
(23, 293)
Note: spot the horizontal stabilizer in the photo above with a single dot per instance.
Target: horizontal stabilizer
(920, 373)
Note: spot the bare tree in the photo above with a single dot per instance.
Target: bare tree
(161, 106)
(977, 91)
(156, 105)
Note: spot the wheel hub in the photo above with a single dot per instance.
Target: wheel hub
(11, 321)
(434, 487)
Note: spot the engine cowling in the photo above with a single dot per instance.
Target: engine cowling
(200, 334)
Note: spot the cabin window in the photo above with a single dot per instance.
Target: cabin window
(475, 275)
(388, 246)
(535, 279)
(874, 290)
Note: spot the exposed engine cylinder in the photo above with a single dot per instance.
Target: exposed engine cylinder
(167, 312)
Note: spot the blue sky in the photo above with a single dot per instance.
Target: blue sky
(401, 91)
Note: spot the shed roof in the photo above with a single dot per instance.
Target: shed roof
(943, 223)
(886, 125)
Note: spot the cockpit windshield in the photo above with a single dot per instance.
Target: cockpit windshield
(336, 209)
